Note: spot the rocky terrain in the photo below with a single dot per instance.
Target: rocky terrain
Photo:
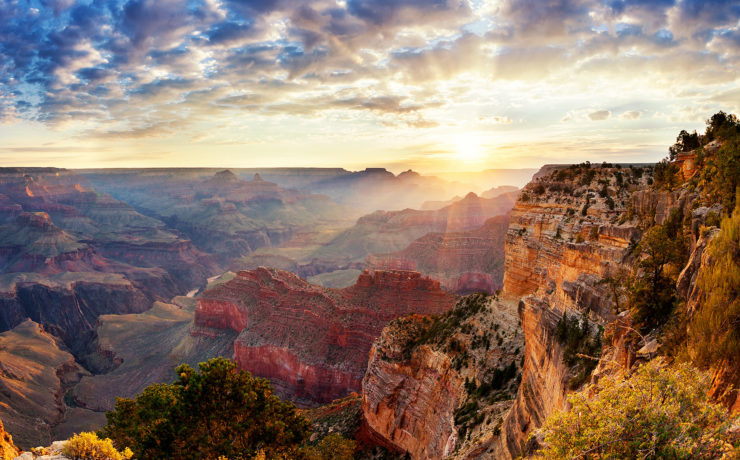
(311, 342)
(221, 213)
(574, 242)
(571, 231)
(391, 231)
(568, 231)
(36, 374)
(463, 262)
(441, 385)
(7, 448)
(63, 244)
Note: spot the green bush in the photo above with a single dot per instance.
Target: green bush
(218, 411)
(332, 447)
(665, 175)
(659, 412)
(581, 346)
(652, 290)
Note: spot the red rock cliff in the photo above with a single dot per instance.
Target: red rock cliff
(312, 342)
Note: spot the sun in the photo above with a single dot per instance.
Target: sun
(468, 148)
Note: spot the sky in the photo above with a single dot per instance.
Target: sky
(431, 85)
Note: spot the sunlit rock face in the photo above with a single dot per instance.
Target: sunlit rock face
(566, 238)
(312, 342)
(417, 381)
(566, 234)
(7, 448)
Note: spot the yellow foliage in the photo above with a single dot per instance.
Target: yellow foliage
(658, 412)
(87, 446)
(332, 447)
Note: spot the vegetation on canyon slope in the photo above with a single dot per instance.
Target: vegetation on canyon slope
(88, 446)
(714, 333)
(216, 412)
(658, 412)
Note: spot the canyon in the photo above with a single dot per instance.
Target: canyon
(572, 232)
(438, 376)
(311, 342)
(463, 262)
(391, 231)
(94, 261)
(65, 245)
(561, 240)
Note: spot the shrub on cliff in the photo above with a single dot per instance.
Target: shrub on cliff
(581, 347)
(218, 411)
(332, 447)
(714, 332)
(87, 446)
(652, 290)
(659, 411)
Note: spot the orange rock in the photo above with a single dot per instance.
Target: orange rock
(7, 448)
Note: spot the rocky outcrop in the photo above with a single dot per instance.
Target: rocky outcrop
(437, 387)
(311, 342)
(568, 232)
(35, 374)
(463, 262)
(7, 448)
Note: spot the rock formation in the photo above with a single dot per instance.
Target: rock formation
(566, 233)
(311, 342)
(7, 448)
(440, 385)
(391, 231)
(220, 213)
(565, 236)
(463, 262)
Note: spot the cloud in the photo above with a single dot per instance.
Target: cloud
(151, 65)
(383, 12)
(599, 115)
(631, 115)
(495, 120)
(228, 32)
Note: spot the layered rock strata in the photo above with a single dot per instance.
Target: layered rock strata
(440, 386)
(569, 231)
(463, 262)
(312, 342)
